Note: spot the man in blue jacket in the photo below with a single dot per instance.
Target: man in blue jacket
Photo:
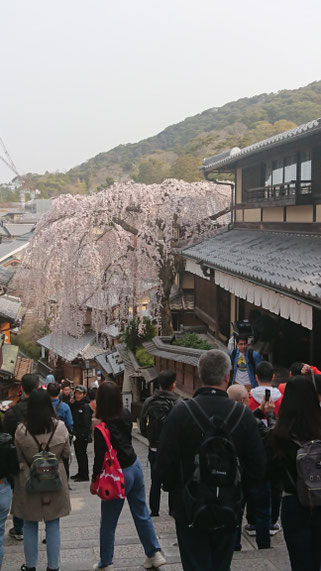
(244, 362)
(62, 409)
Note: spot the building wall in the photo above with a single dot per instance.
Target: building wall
(299, 213)
(187, 379)
(252, 214)
(5, 328)
(273, 214)
(205, 299)
(188, 281)
(238, 185)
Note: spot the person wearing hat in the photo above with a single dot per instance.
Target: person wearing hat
(81, 413)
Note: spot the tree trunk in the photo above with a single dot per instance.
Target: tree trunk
(167, 276)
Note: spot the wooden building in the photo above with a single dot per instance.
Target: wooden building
(269, 258)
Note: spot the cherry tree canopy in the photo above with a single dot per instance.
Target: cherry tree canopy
(103, 251)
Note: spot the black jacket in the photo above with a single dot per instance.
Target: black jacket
(121, 440)
(166, 400)
(81, 414)
(9, 465)
(284, 469)
(14, 416)
(180, 439)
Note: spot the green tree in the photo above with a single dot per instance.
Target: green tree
(186, 168)
(151, 170)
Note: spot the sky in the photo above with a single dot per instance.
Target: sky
(78, 77)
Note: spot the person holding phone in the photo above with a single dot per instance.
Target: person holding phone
(265, 392)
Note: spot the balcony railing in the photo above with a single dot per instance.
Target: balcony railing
(291, 192)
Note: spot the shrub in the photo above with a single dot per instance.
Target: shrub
(193, 341)
(144, 359)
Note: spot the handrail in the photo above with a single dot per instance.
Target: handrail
(290, 189)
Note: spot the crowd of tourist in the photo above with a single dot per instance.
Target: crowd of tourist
(243, 447)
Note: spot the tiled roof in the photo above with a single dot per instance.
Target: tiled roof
(17, 229)
(127, 361)
(153, 350)
(10, 307)
(5, 275)
(69, 348)
(218, 161)
(165, 350)
(183, 301)
(10, 248)
(23, 366)
(291, 262)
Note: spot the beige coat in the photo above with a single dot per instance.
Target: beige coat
(39, 507)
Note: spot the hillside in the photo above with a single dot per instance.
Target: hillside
(179, 149)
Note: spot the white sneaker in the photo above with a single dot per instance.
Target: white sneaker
(108, 568)
(156, 561)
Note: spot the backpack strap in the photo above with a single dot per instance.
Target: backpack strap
(41, 446)
(105, 432)
(251, 358)
(207, 421)
(58, 405)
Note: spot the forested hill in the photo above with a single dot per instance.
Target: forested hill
(179, 149)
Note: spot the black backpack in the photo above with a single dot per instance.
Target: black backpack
(213, 495)
(157, 413)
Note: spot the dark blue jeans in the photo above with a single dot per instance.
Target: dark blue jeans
(260, 498)
(205, 551)
(302, 534)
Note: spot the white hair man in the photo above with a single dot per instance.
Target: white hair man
(179, 444)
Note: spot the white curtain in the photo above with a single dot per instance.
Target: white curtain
(277, 303)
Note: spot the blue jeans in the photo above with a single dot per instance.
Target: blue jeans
(302, 534)
(205, 551)
(30, 543)
(110, 512)
(5, 503)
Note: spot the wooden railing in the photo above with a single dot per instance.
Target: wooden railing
(291, 191)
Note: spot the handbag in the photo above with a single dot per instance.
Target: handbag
(110, 483)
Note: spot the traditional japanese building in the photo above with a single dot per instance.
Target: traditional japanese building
(267, 262)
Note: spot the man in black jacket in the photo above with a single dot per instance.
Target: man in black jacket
(81, 413)
(180, 440)
(154, 415)
(14, 416)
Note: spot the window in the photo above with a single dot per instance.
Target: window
(290, 168)
(268, 174)
(306, 165)
(277, 171)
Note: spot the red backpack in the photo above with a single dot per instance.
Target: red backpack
(110, 484)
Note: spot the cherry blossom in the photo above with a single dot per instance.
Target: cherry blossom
(93, 257)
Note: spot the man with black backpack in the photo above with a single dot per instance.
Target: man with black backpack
(209, 449)
(244, 362)
(154, 415)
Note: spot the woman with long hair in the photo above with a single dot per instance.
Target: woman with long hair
(109, 409)
(299, 421)
(41, 428)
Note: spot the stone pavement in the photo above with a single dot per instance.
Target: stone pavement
(80, 537)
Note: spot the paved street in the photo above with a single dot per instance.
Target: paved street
(80, 537)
